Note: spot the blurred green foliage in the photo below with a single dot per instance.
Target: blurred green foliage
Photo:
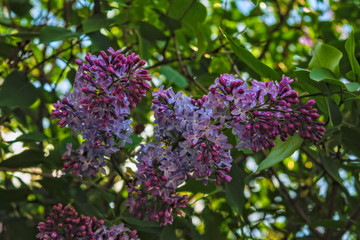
(300, 191)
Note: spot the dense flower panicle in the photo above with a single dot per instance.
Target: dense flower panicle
(261, 112)
(192, 142)
(152, 195)
(105, 89)
(64, 223)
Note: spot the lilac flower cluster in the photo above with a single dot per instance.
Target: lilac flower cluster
(105, 89)
(64, 223)
(192, 143)
(260, 113)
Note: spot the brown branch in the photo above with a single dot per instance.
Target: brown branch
(282, 20)
(296, 207)
(349, 222)
(184, 68)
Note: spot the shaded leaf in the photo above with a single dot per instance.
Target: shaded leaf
(281, 151)
(350, 49)
(250, 60)
(235, 189)
(17, 91)
(50, 34)
(335, 114)
(167, 233)
(174, 76)
(14, 195)
(349, 137)
(150, 32)
(96, 22)
(326, 56)
(32, 136)
(197, 187)
(323, 74)
(28, 158)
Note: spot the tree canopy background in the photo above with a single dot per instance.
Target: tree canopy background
(299, 191)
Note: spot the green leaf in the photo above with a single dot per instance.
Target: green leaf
(14, 195)
(99, 41)
(250, 60)
(20, 7)
(219, 65)
(335, 114)
(333, 224)
(350, 136)
(67, 140)
(170, 23)
(174, 76)
(321, 74)
(136, 140)
(150, 32)
(235, 189)
(212, 226)
(17, 91)
(32, 136)
(350, 49)
(352, 86)
(326, 56)
(96, 22)
(28, 158)
(331, 167)
(50, 34)
(281, 151)
(8, 50)
(196, 14)
(197, 187)
(168, 233)
(138, 222)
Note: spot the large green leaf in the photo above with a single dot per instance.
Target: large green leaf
(150, 32)
(14, 195)
(197, 187)
(335, 114)
(350, 49)
(20, 7)
(96, 22)
(235, 189)
(250, 60)
(17, 91)
(28, 158)
(99, 41)
(32, 136)
(350, 136)
(281, 151)
(321, 74)
(167, 233)
(326, 56)
(50, 34)
(174, 76)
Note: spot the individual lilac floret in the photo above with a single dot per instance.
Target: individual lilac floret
(65, 223)
(105, 89)
(152, 194)
(119, 232)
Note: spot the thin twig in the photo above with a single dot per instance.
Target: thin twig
(297, 208)
(184, 68)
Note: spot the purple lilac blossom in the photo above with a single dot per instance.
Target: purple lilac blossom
(152, 195)
(191, 141)
(64, 223)
(105, 89)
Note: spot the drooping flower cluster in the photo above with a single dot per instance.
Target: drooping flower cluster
(64, 223)
(192, 143)
(105, 89)
(260, 113)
